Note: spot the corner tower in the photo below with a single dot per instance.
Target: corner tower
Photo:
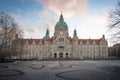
(61, 27)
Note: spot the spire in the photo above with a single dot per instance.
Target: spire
(75, 34)
(47, 34)
(103, 37)
(61, 17)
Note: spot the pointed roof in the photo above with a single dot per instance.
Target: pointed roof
(61, 22)
(61, 17)
(47, 34)
(75, 34)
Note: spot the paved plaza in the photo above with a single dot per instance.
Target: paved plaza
(60, 70)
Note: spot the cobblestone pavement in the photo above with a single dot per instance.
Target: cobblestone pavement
(60, 70)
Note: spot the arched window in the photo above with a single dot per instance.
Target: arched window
(61, 55)
(55, 55)
(66, 55)
(61, 39)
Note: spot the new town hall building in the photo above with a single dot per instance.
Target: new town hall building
(61, 45)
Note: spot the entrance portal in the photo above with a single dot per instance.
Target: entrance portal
(61, 55)
(55, 55)
(66, 55)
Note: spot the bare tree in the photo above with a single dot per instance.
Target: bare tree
(114, 25)
(9, 33)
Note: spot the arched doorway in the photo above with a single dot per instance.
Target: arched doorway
(61, 55)
(66, 55)
(55, 55)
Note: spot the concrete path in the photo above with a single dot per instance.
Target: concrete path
(60, 70)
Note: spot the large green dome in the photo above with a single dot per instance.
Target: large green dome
(61, 23)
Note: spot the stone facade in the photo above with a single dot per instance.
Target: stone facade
(61, 45)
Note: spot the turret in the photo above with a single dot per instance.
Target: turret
(47, 34)
(75, 37)
(104, 40)
(103, 36)
(75, 34)
(103, 47)
(47, 37)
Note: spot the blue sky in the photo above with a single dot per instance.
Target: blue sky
(89, 17)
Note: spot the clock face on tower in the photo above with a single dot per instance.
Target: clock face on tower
(61, 32)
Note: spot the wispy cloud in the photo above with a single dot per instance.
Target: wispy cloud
(93, 26)
(28, 28)
(68, 7)
(49, 18)
(32, 31)
(46, 15)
